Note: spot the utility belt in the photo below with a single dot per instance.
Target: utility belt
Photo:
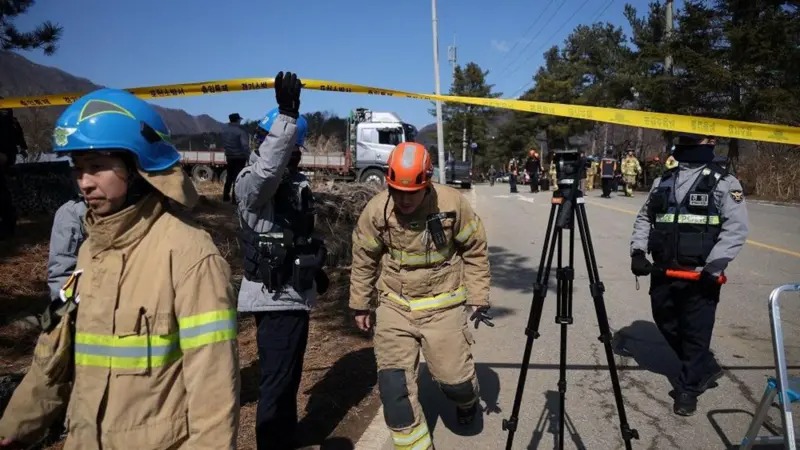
(284, 262)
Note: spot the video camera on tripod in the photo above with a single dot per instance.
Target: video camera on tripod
(570, 168)
(567, 210)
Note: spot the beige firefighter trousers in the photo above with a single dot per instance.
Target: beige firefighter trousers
(445, 340)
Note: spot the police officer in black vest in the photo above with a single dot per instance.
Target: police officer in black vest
(608, 167)
(693, 223)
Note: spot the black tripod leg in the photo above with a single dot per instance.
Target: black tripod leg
(566, 275)
(596, 287)
(552, 236)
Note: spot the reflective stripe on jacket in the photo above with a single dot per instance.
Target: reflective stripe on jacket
(155, 351)
(415, 275)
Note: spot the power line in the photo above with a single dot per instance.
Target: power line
(533, 39)
(524, 86)
(597, 16)
(539, 18)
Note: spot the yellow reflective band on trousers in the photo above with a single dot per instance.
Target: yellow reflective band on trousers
(418, 439)
(693, 219)
(141, 352)
(469, 229)
(421, 259)
(437, 301)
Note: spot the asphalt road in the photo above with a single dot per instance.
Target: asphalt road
(516, 230)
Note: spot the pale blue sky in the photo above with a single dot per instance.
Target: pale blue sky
(383, 43)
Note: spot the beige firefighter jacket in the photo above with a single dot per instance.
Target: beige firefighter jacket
(155, 352)
(631, 166)
(395, 256)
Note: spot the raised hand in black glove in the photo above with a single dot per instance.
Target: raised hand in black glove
(640, 266)
(287, 93)
(481, 314)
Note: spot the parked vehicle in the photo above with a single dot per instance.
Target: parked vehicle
(455, 172)
(205, 165)
(371, 136)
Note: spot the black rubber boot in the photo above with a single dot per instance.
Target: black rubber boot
(466, 416)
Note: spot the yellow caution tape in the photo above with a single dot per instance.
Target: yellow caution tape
(782, 134)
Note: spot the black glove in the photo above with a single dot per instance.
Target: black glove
(640, 266)
(709, 284)
(287, 93)
(481, 315)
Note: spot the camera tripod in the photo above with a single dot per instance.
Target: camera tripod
(567, 205)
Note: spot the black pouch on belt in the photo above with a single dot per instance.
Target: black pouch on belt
(303, 271)
(271, 268)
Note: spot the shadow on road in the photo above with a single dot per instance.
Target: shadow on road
(342, 388)
(511, 271)
(514, 272)
(737, 435)
(548, 422)
(642, 341)
(435, 404)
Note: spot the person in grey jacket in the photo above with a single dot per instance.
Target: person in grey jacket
(282, 262)
(694, 223)
(66, 237)
(236, 143)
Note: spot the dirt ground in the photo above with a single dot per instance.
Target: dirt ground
(337, 399)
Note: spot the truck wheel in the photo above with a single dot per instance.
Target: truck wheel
(466, 185)
(223, 176)
(374, 176)
(201, 173)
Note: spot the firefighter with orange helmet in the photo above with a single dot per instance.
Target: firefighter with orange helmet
(421, 250)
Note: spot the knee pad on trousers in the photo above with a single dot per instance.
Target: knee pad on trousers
(397, 409)
(462, 393)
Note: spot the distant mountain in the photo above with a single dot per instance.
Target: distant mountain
(20, 77)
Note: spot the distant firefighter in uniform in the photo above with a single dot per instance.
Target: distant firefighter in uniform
(592, 172)
(694, 220)
(421, 249)
(630, 170)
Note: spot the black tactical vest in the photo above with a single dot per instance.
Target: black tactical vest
(607, 168)
(682, 235)
(270, 257)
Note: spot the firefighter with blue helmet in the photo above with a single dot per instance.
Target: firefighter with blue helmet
(283, 261)
(694, 223)
(140, 347)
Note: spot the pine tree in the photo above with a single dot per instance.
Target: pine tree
(45, 36)
(469, 81)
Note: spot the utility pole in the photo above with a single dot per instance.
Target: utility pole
(668, 34)
(668, 60)
(439, 125)
(452, 57)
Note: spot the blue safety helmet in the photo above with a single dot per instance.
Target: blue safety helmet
(302, 125)
(113, 119)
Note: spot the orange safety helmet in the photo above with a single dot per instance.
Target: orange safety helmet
(410, 167)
